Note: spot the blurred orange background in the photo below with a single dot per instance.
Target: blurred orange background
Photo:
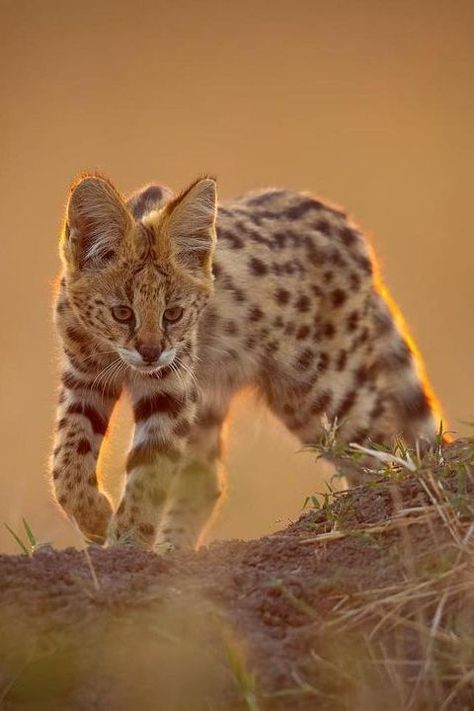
(368, 104)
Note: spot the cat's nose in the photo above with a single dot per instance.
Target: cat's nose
(149, 352)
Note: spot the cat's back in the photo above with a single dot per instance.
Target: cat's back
(276, 241)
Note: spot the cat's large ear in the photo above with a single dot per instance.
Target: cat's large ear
(96, 222)
(190, 226)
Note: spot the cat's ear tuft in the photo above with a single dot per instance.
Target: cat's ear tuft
(96, 221)
(190, 226)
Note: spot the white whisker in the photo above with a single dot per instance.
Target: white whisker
(101, 379)
(187, 370)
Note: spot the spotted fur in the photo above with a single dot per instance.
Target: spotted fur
(274, 290)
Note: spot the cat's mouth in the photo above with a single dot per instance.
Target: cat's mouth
(148, 369)
(135, 361)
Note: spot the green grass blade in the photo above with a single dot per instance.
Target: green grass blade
(17, 539)
(29, 534)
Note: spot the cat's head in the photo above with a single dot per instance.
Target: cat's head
(139, 287)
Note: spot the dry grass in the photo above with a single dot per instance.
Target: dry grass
(409, 645)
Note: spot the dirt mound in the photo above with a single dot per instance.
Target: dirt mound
(364, 601)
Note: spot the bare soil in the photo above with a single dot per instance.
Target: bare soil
(263, 624)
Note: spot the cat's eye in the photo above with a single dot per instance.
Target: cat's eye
(173, 314)
(123, 314)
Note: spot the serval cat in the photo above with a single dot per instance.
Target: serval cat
(181, 304)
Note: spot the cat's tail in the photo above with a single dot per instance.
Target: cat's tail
(421, 420)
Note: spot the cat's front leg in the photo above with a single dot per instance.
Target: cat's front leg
(84, 411)
(196, 490)
(163, 414)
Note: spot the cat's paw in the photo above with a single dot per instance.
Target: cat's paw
(120, 539)
(172, 542)
(165, 548)
(94, 519)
